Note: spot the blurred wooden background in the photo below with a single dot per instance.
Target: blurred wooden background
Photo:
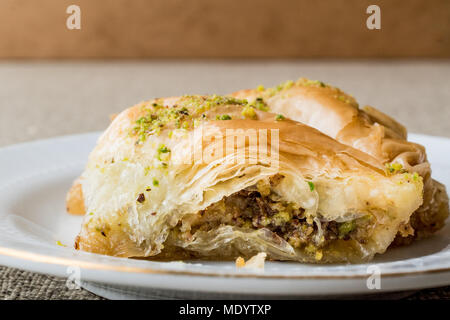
(224, 28)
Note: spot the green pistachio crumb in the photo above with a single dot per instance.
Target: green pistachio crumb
(163, 149)
(223, 117)
(311, 185)
(393, 168)
(249, 112)
(164, 165)
(345, 228)
(60, 244)
(279, 117)
(185, 114)
(308, 82)
(260, 104)
(162, 153)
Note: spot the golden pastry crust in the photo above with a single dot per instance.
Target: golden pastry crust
(75, 199)
(144, 194)
(337, 114)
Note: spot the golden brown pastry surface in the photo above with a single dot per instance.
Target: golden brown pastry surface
(75, 199)
(338, 115)
(344, 183)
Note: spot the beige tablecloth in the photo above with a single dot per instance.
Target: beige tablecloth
(47, 99)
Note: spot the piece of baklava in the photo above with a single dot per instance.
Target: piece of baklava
(337, 114)
(217, 177)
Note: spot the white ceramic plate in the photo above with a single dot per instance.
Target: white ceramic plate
(34, 178)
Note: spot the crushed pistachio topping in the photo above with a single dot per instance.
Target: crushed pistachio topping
(304, 82)
(151, 123)
(280, 218)
(346, 99)
(308, 82)
(162, 153)
(155, 182)
(393, 168)
(249, 112)
(279, 117)
(164, 165)
(282, 86)
(259, 104)
(60, 244)
(184, 115)
(260, 88)
(310, 248)
(412, 177)
(311, 186)
(202, 103)
(345, 228)
(289, 84)
(163, 149)
(223, 117)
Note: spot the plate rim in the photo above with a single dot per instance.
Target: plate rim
(63, 261)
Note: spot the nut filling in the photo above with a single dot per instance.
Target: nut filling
(259, 207)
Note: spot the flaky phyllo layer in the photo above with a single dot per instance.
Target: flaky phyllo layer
(219, 177)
